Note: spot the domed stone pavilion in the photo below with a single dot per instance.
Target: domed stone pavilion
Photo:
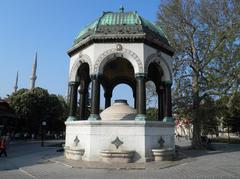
(119, 47)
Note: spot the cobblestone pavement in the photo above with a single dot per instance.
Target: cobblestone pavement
(27, 161)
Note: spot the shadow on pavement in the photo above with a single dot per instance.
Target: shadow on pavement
(28, 153)
(213, 149)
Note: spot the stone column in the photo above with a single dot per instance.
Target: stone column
(95, 98)
(168, 109)
(72, 100)
(82, 102)
(108, 96)
(160, 92)
(135, 101)
(141, 97)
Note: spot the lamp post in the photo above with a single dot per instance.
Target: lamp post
(44, 123)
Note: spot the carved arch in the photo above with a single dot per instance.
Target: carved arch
(83, 58)
(108, 55)
(158, 58)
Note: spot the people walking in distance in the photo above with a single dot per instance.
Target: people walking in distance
(3, 145)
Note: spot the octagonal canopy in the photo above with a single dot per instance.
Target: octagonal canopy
(122, 27)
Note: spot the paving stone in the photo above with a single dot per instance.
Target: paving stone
(35, 163)
(13, 174)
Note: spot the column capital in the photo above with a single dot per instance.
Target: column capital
(159, 89)
(139, 75)
(71, 83)
(167, 83)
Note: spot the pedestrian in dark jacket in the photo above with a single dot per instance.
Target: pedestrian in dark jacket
(3, 145)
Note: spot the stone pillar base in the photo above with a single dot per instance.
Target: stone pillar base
(140, 117)
(94, 117)
(168, 119)
(72, 118)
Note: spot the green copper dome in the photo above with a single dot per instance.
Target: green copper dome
(121, 27)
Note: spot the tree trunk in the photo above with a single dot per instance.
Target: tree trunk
(196, 140)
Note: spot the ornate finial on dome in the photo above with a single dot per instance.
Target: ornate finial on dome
(121, 9)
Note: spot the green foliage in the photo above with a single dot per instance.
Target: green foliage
(209, 122)
(229, 111)
(234, 105)
(36, 105)
(55, 113)
(152, 114)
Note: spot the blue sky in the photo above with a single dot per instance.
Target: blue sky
(50, 27)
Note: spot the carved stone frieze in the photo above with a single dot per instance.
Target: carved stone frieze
(124, 53)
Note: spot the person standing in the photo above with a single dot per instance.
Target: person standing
(3, 145)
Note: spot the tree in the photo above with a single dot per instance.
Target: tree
(36, 105)
(229, 112)
(205, 35)
(56, 113)
(30, 106)
(223, 111)
(209, 122)
(233, 112)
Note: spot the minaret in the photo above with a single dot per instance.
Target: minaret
(34, 76)
(16, 83)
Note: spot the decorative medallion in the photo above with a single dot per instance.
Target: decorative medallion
(80, 55)
(119, 47)
(159, 53)
(117, 142)
(161, 142)
(76, 141)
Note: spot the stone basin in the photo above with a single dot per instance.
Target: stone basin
(73, 153)
(163, 154)
(117, 156)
